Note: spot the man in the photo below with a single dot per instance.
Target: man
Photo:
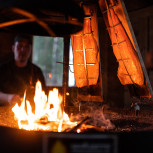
(19, 75)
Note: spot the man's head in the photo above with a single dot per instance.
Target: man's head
(22, 48)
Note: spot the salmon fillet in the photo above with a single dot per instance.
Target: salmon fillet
(85, 56)
(129, 70)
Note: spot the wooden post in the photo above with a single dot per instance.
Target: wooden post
(65, 69)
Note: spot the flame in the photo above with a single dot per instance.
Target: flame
(48, 114)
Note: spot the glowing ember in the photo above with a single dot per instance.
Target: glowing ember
(78, 130)
(48, 114)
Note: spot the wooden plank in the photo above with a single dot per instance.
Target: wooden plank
(120, 11)
(95, 90)
(90, 98)
(138, 51)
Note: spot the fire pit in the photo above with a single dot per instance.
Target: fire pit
(94, 125)
(95, 129)
(120, 130)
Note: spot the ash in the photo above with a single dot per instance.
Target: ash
(116, 120)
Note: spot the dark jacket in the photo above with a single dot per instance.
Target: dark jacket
(16, 80)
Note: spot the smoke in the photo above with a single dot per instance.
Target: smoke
(98, 118)
(95, 112)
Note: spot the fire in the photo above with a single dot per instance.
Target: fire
(48, 114)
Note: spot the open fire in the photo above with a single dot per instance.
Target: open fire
(48, 114)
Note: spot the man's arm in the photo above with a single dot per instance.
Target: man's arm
(9, 99)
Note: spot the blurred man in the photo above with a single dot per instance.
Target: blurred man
(20, 74)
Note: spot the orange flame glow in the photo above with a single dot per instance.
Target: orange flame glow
(45, 117)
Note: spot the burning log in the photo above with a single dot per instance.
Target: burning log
(44, 117)
(85, 127)
(74, 129)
